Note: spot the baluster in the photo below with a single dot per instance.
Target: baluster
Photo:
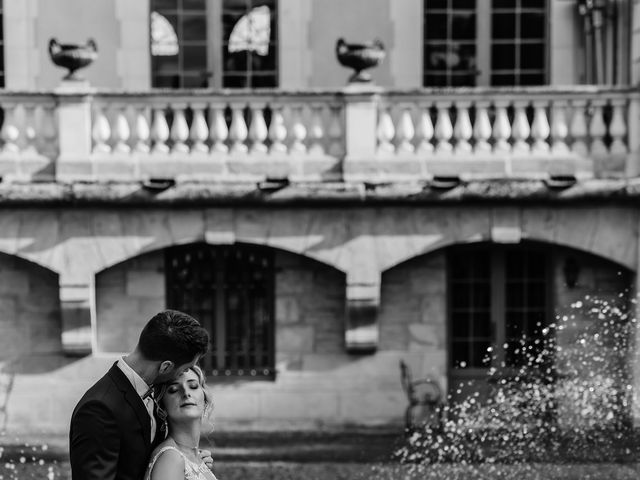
(179, 132)
(141, 130)
(425, 131)
(520, 130)
(160, 131)
(49, 132)
(597, 128)
(385, 131)
(501, 128)
(482, 129)
(578, 128)
(10, 132)
(218, 132)
(405, 131)
(316, 130)
(335, 131)
(463, 131)
(100, 131)
(444, 128)
(199, 130)
(540, 129)
(559, 127)
(298, 130)
(277, 130)
(618, 126)
(30, 128)
(258, 128)
(121, 132)
(238, 132)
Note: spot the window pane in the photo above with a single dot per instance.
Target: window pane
(163, 65)
(195, 58)
(463, 26)
(435, 4)
(194, 5)
(532, 25)
(532, 56)
(463, 4)
(436, 26)
(533, 79)
(503, 57)
(481, 356)
(460, 355)
(503, 26)
(482, 325)
(432, 80)
(194, 27)
(263, 81)
(164, 4)
(460, 325)
(235, 81)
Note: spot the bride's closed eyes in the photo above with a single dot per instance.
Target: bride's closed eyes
(191, 385)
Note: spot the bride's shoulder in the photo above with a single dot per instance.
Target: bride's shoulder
(167, 462)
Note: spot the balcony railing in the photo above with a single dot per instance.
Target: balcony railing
(364, 134)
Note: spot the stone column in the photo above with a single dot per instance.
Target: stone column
(361, 319)
(360, 123)
(74, 131)
(77, 311)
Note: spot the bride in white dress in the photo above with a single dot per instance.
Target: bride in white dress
(184, 400)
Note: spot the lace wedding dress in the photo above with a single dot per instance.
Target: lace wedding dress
(192, 471)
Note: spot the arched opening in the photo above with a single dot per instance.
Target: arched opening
(539, 314)
(260, 305)
(30, 323)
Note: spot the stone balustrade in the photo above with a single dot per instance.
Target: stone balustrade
(29, 136)
(351, 134)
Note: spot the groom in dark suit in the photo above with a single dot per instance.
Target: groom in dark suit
(113, 426)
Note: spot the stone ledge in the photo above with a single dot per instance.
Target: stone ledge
(304, 194)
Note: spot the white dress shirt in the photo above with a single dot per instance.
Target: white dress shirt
(141, 388)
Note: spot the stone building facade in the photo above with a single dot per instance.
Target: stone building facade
(321, 232)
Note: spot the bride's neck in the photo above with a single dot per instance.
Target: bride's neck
(186, 435)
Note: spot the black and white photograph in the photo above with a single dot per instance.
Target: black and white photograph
(319, 239)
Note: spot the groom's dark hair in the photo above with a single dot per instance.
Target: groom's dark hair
(173, 335)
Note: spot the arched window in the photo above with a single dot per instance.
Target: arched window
(230, 289)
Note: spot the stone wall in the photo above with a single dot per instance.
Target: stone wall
(127, 295)
(29, 309)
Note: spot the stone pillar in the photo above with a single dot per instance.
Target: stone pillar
(361, 319)
(632, 167)
(77, 311)
(360, 122)
(74, 131)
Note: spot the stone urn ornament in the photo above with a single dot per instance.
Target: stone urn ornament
(72, 57)
(360, 57)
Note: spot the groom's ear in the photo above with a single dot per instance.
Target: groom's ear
(166, 367)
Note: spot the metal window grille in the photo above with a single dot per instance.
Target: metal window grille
(230, 289)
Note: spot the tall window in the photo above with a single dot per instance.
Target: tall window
(228, 43)
(249, 43)
(230, 289)
(179, 44)
(485, 42)
(499, 306)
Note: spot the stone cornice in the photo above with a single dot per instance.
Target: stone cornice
(191, 194)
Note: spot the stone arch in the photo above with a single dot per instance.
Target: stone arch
(134, 289)
(607, 232)
(29, 309)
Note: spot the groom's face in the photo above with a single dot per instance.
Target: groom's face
(168, 373)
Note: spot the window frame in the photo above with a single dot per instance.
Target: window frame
(484, 17)
(215, 315)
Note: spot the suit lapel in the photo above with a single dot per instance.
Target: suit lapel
(133, 399)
